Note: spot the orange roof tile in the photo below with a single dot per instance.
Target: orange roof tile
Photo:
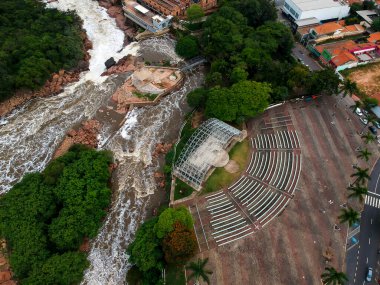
(327, 28)
(354, 28)
(373, 38)
(350, 2)
(343, 58)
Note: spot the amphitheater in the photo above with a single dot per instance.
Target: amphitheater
(259, 195)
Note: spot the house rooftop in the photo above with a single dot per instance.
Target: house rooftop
(373, 38)
(343, 58)
(327, 28)
(306, 5)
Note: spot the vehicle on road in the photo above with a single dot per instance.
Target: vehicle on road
(373, 130)
(368, 278)
(364, 120)
(359, 112)
(377, 124)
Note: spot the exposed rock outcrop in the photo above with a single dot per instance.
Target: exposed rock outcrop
(125, 64)
(87, 134)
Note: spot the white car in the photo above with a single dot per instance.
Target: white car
(358, 112)
(364, 120)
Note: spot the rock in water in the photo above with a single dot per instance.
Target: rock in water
(110, 62)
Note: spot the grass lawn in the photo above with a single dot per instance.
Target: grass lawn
(220, 178)
(175, 275)
(181, 190)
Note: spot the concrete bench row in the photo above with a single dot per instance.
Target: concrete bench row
(276, 140)
(227, 222)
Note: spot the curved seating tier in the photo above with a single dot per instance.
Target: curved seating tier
(277, 140)
(227, 222)
(262, 192)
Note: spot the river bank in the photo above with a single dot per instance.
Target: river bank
(54, 85)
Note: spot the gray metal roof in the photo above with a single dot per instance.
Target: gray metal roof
(193, 162)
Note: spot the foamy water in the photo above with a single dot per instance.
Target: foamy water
(133, 146)
(31, 134)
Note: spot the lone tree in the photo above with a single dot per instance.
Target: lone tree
(357, 191)
(349, 88)
(199, 271)
(333, 277)
(368, 137)
(361, 175)
(364, 154)
(348, 215)
(194, 12)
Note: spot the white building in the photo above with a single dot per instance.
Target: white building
(320, 9)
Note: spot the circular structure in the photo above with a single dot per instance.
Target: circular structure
(232, 166)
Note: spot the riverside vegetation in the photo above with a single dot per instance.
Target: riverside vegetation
(164, 242)
(34, 43)
(46, 216)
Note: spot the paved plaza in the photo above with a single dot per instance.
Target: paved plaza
(277, 231)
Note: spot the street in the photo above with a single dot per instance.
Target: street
(364, 253)
(301, 53)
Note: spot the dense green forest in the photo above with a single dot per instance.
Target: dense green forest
(45, 217)
(35, 42)
(243, 42)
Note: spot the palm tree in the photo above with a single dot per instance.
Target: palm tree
(357, 192)
(364, 154)
(333, 277)
(199, 270)
(357, 105)
(349, 88)
(348, 215)
(361, 175)
(368, 137)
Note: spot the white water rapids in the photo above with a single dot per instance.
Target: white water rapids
(32, 133)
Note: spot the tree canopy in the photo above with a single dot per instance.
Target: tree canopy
(169, 217)
(187, 47)
(243, 100)
(170, 238)
(35, 42)
(180, 244)
(145, 251)
(194, 12)
(45, 216)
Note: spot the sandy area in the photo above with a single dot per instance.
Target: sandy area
(368, 78)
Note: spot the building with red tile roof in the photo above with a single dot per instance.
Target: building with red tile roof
(334, 30)
(374, 38)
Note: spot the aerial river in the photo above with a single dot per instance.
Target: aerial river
(31, 134)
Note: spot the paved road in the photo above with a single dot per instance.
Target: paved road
(300, 52)
(369, 237)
